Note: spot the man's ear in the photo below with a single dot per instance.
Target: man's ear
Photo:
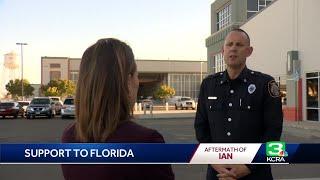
(249, 51)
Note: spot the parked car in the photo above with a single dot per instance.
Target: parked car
(24, 105)
(68, 108)
(41, 106)
(11, 109)
(58, 107)
(55, 98)
(185, 103)
(58, 103)
(147, 103)
(173, 100)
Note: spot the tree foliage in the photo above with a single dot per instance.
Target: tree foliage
(15, 90)
(59, 87)
(164, 92)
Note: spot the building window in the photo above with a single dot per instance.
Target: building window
(186, 84)
(249, 14)
(224, 17)
(55, 75)
(74, 75)
(254, 6)
(313, 74)
(312, 95)
(55, 65)
(219, 64)
(312, 92)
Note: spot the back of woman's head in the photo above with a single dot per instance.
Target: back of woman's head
(102, 96)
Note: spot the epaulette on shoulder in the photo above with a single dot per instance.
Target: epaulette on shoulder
(255, 73)
(266, 75)
(212, 76)
(262, 75)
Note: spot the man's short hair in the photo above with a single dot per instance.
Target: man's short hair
(241, 30)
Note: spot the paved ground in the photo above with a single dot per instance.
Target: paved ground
(175, 130)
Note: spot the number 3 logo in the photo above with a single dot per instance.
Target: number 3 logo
(274, 148)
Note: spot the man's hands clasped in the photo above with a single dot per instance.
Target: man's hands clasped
(231, 171)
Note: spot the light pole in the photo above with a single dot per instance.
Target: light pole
(201, 71)
(21, 47)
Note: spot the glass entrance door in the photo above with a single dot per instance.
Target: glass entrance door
(312, 94)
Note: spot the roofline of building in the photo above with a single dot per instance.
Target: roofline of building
(162, 60)
(248, 19)
(54, 57)
(232, 25)
(74, 58)
(239, 23)
(168, 60)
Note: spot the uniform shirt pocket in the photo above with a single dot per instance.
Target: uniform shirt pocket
(249, 104)
(215, 105)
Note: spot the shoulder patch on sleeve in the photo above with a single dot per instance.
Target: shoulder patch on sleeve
(273, 89)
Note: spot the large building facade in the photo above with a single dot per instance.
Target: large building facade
(283, 38)
(184, 76)
(225, 15)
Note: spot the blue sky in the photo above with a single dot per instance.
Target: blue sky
(166, 29)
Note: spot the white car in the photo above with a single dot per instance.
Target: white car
(185, 103)
(24, 105)
(173, 100)
(57, 102)
(68, 108)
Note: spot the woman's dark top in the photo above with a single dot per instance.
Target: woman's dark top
(127, 132)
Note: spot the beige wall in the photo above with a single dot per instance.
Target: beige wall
(144, 66)
(284, 26)
(74, 64)
(171, 66)
(271, 33)
(308, 32)
(45, 69)
(308, 46)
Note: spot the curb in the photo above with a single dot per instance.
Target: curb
(163, 118)
(159, 117)
(301, 126)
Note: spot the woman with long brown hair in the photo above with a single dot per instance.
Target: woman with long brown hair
(106, 91)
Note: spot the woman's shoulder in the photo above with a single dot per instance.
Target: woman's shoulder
(131, 131)
(68, 135)
(127, 132)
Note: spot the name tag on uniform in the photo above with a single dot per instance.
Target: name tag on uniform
(212, 97)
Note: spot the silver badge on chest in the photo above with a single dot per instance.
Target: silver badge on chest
(251, 88)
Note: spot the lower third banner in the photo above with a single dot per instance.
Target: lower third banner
(276, 152)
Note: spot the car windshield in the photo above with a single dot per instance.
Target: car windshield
(185, 99)
(69, 102)
(6, 104)
(40, 101)
(54, 99)
(23, 103)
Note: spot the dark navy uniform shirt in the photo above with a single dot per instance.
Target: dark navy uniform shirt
(247, 109)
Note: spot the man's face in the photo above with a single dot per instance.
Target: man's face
(236, 49)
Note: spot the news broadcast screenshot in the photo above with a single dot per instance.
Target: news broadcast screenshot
(159, 90)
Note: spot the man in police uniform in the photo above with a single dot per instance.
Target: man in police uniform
(238, 106)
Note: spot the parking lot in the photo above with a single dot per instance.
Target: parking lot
(179, 130)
